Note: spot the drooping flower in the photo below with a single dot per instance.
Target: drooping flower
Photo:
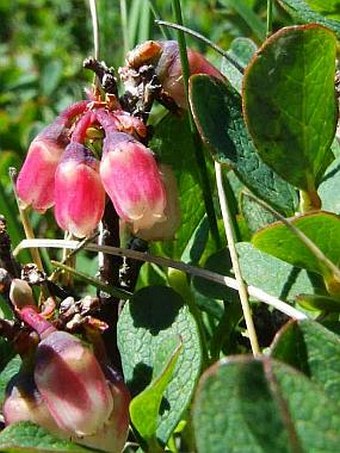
(72, 384)
(63, 387)
(35, 182)
(132, 180)
(79, 194)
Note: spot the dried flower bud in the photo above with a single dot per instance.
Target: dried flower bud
(79, 193)
(72, 384)
(35, 182)
(165, 57)
(132, 179)
(20, 294)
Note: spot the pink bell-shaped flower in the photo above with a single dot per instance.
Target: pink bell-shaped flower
(132, 180)
(71, 382)
(35, 182)
(23, 402)
(68, 391)
(79, 194)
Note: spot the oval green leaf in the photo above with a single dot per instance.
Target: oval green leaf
(217, 112)
(314, 350)
(323, 228)
(289, 103)
(151, 316)
(262, 405)
(272, 275)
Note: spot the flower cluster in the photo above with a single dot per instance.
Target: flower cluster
(63, 387)
(61, 170)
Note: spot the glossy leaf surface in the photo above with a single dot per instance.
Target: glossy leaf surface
(217, 112)
(289, 103)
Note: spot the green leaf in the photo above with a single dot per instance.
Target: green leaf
(144, 408)
(241, 50)
(322, 228)
(289, 103)
(272, 275)
(217, 113)
(172, 145)
(151, 316)
(329, 8)
(301, 12)
(256, 405)
(27, 437)
(312, 349)
(255, 215)
(8, 370)
(319, 302)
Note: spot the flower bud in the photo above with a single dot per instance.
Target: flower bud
(132, 180)
(79, 193)
(20, 294)
(71, 382)
(35, 182)
(23, 402)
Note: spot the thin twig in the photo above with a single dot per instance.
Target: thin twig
(229, 231)
(230, 282)
(25, 221)
(95, 27)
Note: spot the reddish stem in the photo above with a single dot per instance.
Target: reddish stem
(107, 120)
(79, 133)
(72, 111)
(35, 320)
